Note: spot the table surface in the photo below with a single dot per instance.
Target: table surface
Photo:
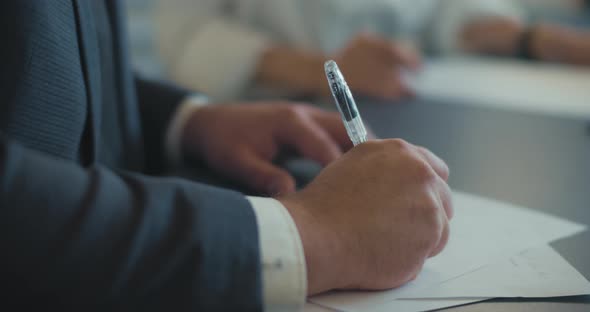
(536, 161)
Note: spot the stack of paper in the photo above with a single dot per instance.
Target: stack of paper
(495, 250)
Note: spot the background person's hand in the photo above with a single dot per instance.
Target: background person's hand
(560, 44)
(371, 219)
(373, 66)
(493, 35)
(241, 141)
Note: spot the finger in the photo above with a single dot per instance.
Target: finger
(444, 237)
(260, 174)
(435, 162)
(446, 198)
(402, 89)
(409, 56)
(332, 123)
(310, 140)
(389, 89)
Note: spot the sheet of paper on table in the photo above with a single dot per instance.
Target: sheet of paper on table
(540, 272)
(551, 89)
(483, 232)
(400, 305)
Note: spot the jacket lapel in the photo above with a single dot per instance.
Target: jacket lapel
(89, 52)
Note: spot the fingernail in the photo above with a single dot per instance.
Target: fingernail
(275, 188)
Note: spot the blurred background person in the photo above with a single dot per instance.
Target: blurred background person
(242, 48)
(554, 31)
(568, 11)
(229, 48)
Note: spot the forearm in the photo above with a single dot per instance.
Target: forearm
(561, 45)
(496, 36)
(96, 240)
(293, 70)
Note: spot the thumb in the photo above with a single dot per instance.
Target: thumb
(262, 176)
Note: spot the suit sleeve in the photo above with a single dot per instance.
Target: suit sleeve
(78, 239)
(158, 103)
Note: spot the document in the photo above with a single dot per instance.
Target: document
(402, 305)
(550, 89)
(539, 272)
(483, 231)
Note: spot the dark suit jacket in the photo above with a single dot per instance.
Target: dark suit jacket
(82, 228)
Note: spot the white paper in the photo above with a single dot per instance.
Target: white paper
(539, 272)
(483, 231)
(507, 84)
(312, 307)
(400, 305)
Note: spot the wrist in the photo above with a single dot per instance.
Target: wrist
(321, 248)
(191, 136)
(177, 129)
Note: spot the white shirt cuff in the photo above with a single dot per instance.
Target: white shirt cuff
(284, 273)
(175, 129)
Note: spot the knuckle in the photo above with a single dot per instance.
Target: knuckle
(392, 147)
(400, 144)
(370, 147)
(423, 172)
(431, 211)
(445, 170)
(293, 112)
(374, 145)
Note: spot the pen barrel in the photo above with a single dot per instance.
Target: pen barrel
(356, 130)
(345, 102)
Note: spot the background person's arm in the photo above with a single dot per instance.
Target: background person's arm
(546, 42)
(208, 49)
(205, 48)
(560, 44)
(448, 30)
(371, 64)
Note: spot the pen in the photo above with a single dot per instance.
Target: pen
(345, 102)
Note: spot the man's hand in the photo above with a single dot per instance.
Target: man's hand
(240, 141)
(371, 219)
(372, 66)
